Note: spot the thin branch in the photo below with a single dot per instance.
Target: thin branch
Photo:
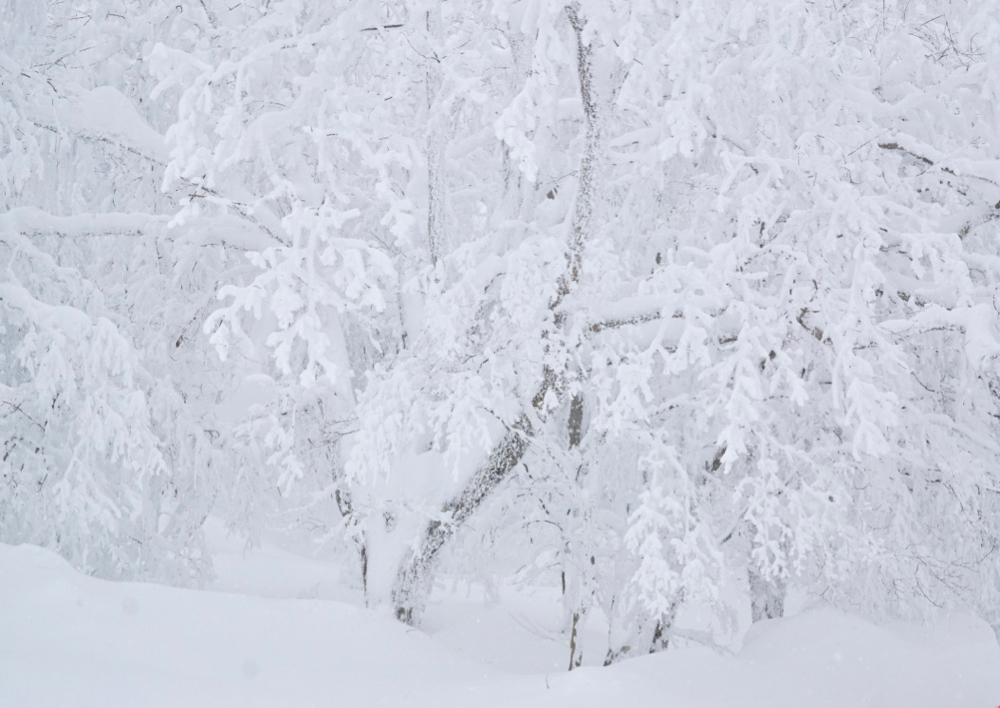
(617, 323)
(896, 147)
(381, 27)
(17, 408)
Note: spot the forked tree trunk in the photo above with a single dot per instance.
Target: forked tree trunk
(416, 574)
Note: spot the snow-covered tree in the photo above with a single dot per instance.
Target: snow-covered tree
(655, 296)
(106, 455)
(677, 275)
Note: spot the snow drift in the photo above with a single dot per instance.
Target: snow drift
(71, 641)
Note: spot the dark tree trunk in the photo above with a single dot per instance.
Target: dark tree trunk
(767, 596)
(575, 650)
(659, 639)
(416, 574)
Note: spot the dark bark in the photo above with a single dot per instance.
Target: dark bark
(436, 184)
(417, 572)
(659, 640)
(767, 596)
(587, 180)
(575, 651)
(346, 508)
(575, 422)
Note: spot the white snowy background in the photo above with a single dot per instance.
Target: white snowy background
(447, 352)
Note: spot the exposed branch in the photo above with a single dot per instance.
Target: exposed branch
(898, 148)
(198, 190)
(34, 222)
(95, 137)
(244, 210)
(930, 163)
(617, 323)
(16, 407)
(381, 27)
(992, 215)
(814, 331)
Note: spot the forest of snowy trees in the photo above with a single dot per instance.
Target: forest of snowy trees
(640, 299)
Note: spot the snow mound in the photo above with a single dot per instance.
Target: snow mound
(69, 640)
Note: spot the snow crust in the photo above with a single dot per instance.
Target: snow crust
(70, 640)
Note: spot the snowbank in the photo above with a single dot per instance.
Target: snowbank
(67, 640)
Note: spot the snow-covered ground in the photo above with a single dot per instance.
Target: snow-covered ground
(282, 631)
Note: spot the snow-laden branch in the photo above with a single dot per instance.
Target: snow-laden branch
(31, 221)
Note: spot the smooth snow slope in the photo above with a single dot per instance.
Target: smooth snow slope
(71, 641)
